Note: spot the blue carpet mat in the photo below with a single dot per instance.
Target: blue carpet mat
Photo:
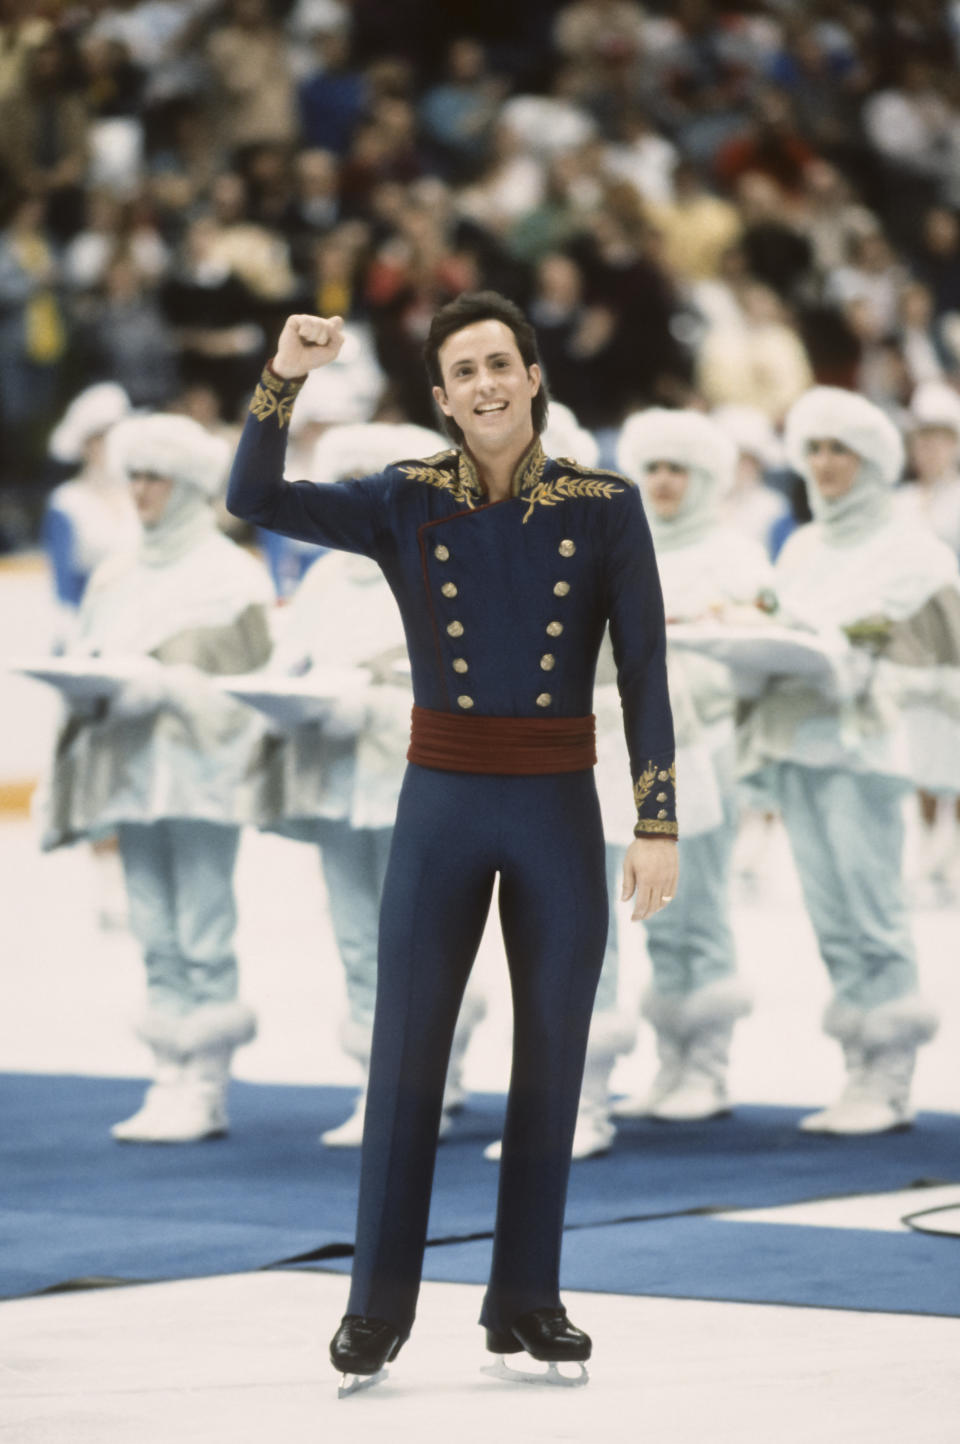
(760, 1263)
(74, 1204)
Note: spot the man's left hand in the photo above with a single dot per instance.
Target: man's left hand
(650, 869)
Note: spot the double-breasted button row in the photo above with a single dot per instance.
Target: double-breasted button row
(454, 628)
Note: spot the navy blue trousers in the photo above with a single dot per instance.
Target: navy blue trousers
(454, 833)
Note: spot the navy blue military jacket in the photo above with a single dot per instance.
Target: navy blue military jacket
(504, 604)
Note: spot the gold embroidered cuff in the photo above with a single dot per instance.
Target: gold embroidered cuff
(653, 828)
(655, 794)
(275, 396)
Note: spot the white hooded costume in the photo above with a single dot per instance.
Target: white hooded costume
(935, 503)
(840, 760)
(165, 762)
(337, 781)
(90, 517)
(704, 566)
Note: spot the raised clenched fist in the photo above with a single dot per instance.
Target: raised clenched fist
(307, 342)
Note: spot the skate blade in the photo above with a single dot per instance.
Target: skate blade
(353, 1383)
(551, 1376)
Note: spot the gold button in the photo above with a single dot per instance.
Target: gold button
(544, 699)
(567, 547)
(455, 629)
(547, 662)
(661, 815)
(459, 664)
(662, 776)
(561, 589)
(449, 589)
(554, 629)
(466, 703)
(661, 797)
(442, 553)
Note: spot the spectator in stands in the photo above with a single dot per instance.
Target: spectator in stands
(334, 97)
(609, 32)
(253, 253)
(459, 113)
(771, 144)
(873, 275)
(253, 91)
(33, 339)
(337, 273)
(756, 359)
(830, 215)
(640, 155)
(385, 148)
(114, 228)
(935, 257)
(776, 251)
(696, 227)
(126, 336)
(214, 316)
(43, 135)
(315, 207)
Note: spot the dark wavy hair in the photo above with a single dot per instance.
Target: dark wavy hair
(466, 309)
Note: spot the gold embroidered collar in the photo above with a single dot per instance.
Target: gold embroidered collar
(527, 472)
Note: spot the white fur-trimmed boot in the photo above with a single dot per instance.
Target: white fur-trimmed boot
(694, 1032)
(211, 1034)
(161, 1033)
(707, 1020)
(610, 1035)
(355, 1041)
(664, 1012)
(880, 1052)
(186, 1102)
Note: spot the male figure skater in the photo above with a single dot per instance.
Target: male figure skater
(506, 566)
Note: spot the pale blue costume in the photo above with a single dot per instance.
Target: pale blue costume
(841, 756)
(695, 997)
(165, 762)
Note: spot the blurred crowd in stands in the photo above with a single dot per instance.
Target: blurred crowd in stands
(700, 202)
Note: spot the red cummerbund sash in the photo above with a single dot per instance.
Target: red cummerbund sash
(512, 746)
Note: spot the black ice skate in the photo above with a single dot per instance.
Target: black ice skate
(359, 1350)
(548, 1336)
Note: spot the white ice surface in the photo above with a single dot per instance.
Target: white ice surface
(242, 1360)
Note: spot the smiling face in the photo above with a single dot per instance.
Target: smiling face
(151, 494)
(666, 486)
(833, 467)
(486, 388)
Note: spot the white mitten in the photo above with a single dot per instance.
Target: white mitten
(141, 695)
